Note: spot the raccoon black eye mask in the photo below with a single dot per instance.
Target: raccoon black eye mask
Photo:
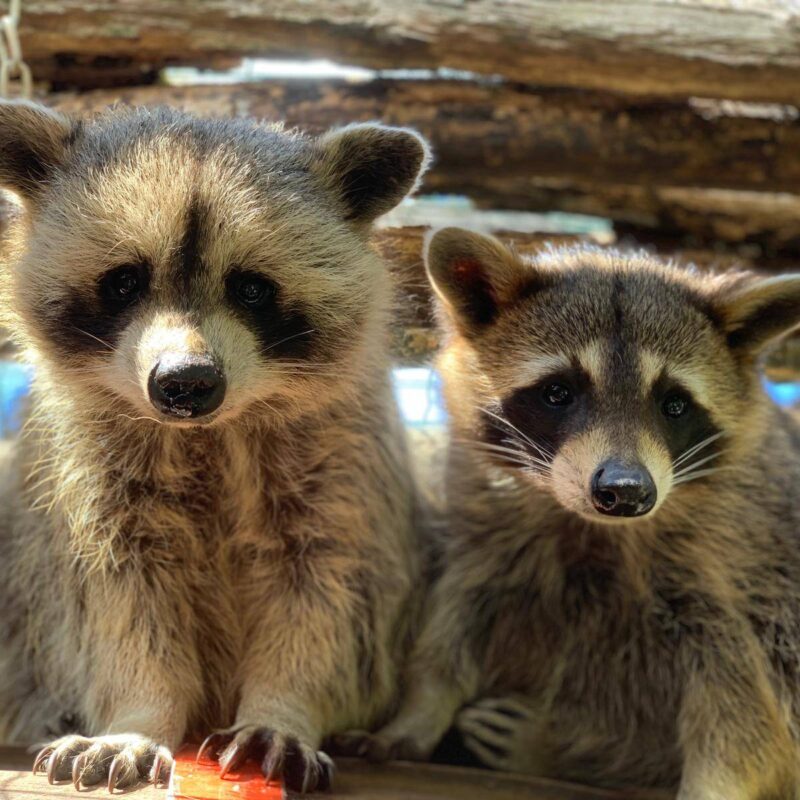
(208, 525)
(620, 606)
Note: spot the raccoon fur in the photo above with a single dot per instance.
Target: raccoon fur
(209, 522)
(618, 598)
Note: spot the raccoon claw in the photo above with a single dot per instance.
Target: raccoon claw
(77, 771)
(122, 760)
(211, 744)
(39, 764)
(162, 760)
(301, 768)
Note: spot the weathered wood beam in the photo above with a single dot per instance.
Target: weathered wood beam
(726, 48)
(505, 133)
(768, 219)
(653, 166)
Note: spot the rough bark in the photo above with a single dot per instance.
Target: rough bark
(681, 168)
(768, 220)
(485, 129)
(708, 48)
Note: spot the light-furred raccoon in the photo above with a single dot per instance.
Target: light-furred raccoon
(619, 595)
(209, 521)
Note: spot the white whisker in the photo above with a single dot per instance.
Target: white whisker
(696, 448)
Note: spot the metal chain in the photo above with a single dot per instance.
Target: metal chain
(13, 70)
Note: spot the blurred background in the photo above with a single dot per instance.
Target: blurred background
(672, 126)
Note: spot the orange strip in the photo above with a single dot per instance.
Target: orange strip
(192, 781)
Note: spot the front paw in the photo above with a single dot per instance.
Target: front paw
(380, 747)
(122, 760)
(282, 756)
(500, 732)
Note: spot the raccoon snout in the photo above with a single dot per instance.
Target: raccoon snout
(186, 386)
(623, 490)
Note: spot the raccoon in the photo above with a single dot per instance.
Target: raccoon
(208, 525)
(618, 597)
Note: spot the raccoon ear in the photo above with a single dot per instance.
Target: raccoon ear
(33, 142)
(370, 167)
(474, 275)
(760, 312)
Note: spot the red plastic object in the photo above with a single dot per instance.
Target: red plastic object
(193, 781)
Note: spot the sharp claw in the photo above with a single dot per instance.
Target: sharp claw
(274, 769)
(42, 756)
(326, 773)
(52, 762)
(157, 762)
(207, 742)
(231, 761)
(113, 773)
(77, 770)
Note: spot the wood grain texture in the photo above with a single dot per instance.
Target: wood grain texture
(686, 168)
(708, 48)
(354, 780)
(479, 129)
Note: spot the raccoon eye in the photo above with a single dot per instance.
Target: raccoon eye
(124, 285)
(675, 405)
(557, 395)
(251, 290)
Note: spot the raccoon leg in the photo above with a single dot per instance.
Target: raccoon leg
(427, 712)
(733, 732)
(441, 677)
(504, 733)
(138, 684)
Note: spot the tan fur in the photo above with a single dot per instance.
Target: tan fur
(662, 650)
(161, 579)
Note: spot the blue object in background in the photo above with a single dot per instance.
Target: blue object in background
(784, 394)
(419, 395)
(14, 382)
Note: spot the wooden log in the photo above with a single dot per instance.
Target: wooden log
(725, 48)
(770, 220)
(678, 167)
(502, 131)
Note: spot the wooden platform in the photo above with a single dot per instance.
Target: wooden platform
(354, 780)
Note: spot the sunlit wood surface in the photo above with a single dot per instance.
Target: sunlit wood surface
(354, 780)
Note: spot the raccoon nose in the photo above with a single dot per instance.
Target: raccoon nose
(186, 387)
(623, 490)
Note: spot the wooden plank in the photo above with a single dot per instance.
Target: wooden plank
(708, 48)
(510, 134)
(354, 780)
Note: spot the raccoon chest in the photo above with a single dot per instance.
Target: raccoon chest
(603, 662)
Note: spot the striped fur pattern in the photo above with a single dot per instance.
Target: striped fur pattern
(661, 649)
(251, 572)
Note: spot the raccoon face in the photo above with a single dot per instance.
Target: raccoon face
(194, 269)
(614, 381)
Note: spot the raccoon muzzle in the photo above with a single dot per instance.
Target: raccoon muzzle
(186, 387)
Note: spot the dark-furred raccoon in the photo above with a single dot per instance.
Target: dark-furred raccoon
(619, 592)
(209, 520)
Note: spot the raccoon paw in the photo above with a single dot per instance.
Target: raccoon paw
(122, 761)
(378, 747)
(498, 732)
(282, 756)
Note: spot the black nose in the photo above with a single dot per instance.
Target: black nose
(623, 490)
(186, 387)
